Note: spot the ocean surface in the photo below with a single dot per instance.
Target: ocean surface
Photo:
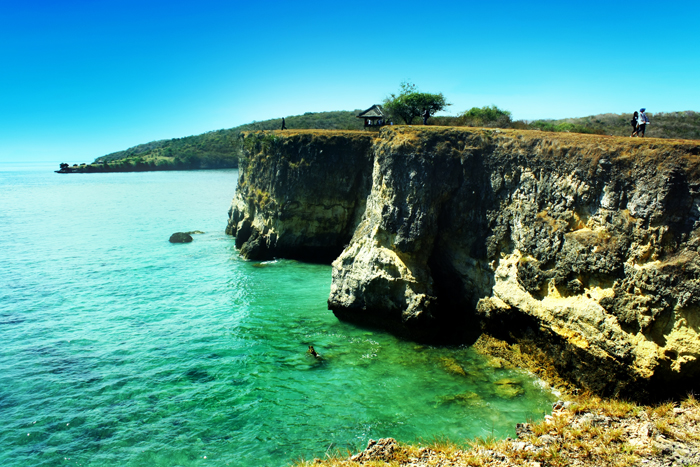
(121, 349)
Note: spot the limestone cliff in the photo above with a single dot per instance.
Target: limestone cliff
(588, 243)
(300, 193)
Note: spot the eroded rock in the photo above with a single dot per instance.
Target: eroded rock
(300, 194)
(381, 450)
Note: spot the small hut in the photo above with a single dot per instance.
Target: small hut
(374, 117)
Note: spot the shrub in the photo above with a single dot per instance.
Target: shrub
(488, 116)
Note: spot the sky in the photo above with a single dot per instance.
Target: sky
(80, 79)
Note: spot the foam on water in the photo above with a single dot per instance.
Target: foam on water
(121, 349)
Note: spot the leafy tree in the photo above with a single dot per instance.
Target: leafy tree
(410, 103)
(488, 116)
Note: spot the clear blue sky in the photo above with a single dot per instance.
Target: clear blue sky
(79, 79)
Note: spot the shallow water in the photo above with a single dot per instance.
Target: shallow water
(121, 349)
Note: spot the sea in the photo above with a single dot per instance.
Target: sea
(119, 348)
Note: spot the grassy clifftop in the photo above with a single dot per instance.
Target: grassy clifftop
(677, 125)
(672, 125)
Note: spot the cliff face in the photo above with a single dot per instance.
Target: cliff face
(300, 193)
(588, 244)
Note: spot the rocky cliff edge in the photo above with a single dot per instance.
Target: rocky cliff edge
(588, 244)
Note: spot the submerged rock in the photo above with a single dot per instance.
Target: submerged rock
(180, 237)
(452, 366)
(509, 388)
(469, 399)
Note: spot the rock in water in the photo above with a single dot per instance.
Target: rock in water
(180, 237)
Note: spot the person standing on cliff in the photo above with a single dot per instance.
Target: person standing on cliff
(284, 126)
(426, 116)
(635, 123)
(642, 121)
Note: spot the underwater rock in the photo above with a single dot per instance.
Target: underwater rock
(469, 399)
(498, 363)
(509, 388)
(452, 366)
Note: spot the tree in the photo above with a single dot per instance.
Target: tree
(488, 116)
(410, 103)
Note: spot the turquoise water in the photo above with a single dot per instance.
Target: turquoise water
(121, 349)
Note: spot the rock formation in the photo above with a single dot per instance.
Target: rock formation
(300, 193)
(180, 237)
(590, 243)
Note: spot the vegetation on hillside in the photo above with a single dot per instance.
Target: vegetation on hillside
(210, 148)
(673, 125)
(486, 117)
(215, 149)
(676, 125)
(493, 117)
(336, 120)
(220, 145)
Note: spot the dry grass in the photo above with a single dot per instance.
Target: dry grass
(609, 407)
(606, 435)
(584, 150)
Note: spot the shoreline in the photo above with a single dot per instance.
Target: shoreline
(91, 169)
(589, 433)
(584, 430)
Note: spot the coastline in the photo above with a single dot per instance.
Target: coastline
(583, 430)
(569, 224)
(106, 168)
(585, 433)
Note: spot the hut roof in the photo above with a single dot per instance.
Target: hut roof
(373, 112)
